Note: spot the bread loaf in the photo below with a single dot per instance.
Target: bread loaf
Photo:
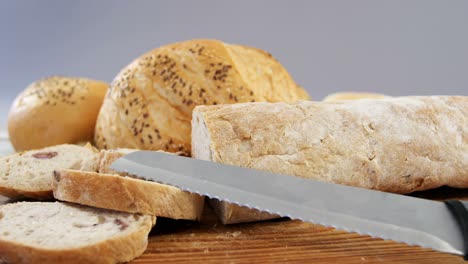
(398, 145)
(55, 110)
(40, 232)
(150, 102)
(31, 173)
(124, 193)
(352, 96)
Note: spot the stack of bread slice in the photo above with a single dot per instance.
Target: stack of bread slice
(102, 216)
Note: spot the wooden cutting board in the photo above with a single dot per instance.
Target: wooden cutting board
(282, 241)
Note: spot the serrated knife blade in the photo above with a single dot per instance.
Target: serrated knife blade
(414, 221)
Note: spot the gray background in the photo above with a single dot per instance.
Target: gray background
(393, 47)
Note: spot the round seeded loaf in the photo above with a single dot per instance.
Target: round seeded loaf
(39, 232)
(55, 110)
(150, 102)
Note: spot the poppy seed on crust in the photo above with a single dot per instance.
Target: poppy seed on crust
(171, 80)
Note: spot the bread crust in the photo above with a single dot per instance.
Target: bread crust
(150, 101)
(126, 194)
(398, 145)
(115, 250)
(352, 96)
(55, 110)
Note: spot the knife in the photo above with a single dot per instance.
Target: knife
(442, 226)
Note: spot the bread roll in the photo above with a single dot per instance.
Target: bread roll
(352, 96)
(398, 145)
(55, 110)
(150, 102)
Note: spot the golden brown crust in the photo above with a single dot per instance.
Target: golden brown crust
(397, 145)
(116, 250)
(55, 111)
(18, 193)
(233, 214)
(126, 194)
(150, 101)
(107, 157)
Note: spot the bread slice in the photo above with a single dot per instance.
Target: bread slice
(31, 173)
(45, 232)
(126, 194)
(400, 145)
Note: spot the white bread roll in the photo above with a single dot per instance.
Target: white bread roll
(55, 110)
(150, 102)
(398, 145)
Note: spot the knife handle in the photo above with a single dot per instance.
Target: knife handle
(459, 211)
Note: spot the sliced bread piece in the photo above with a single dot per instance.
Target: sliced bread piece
(45, 232)
(106, 157)
(127, 194)
(31, 173)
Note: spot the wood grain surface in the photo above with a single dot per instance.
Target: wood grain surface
(282, 241)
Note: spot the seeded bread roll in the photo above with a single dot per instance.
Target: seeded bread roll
(398, 145)
(352, 96)
(55, 110)
(150, 102)
(39, 232)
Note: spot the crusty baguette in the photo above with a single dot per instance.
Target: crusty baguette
(41, 232)
(397, 145)
(342, 96)
(150, 102)
(31, 173)
(126, 194)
